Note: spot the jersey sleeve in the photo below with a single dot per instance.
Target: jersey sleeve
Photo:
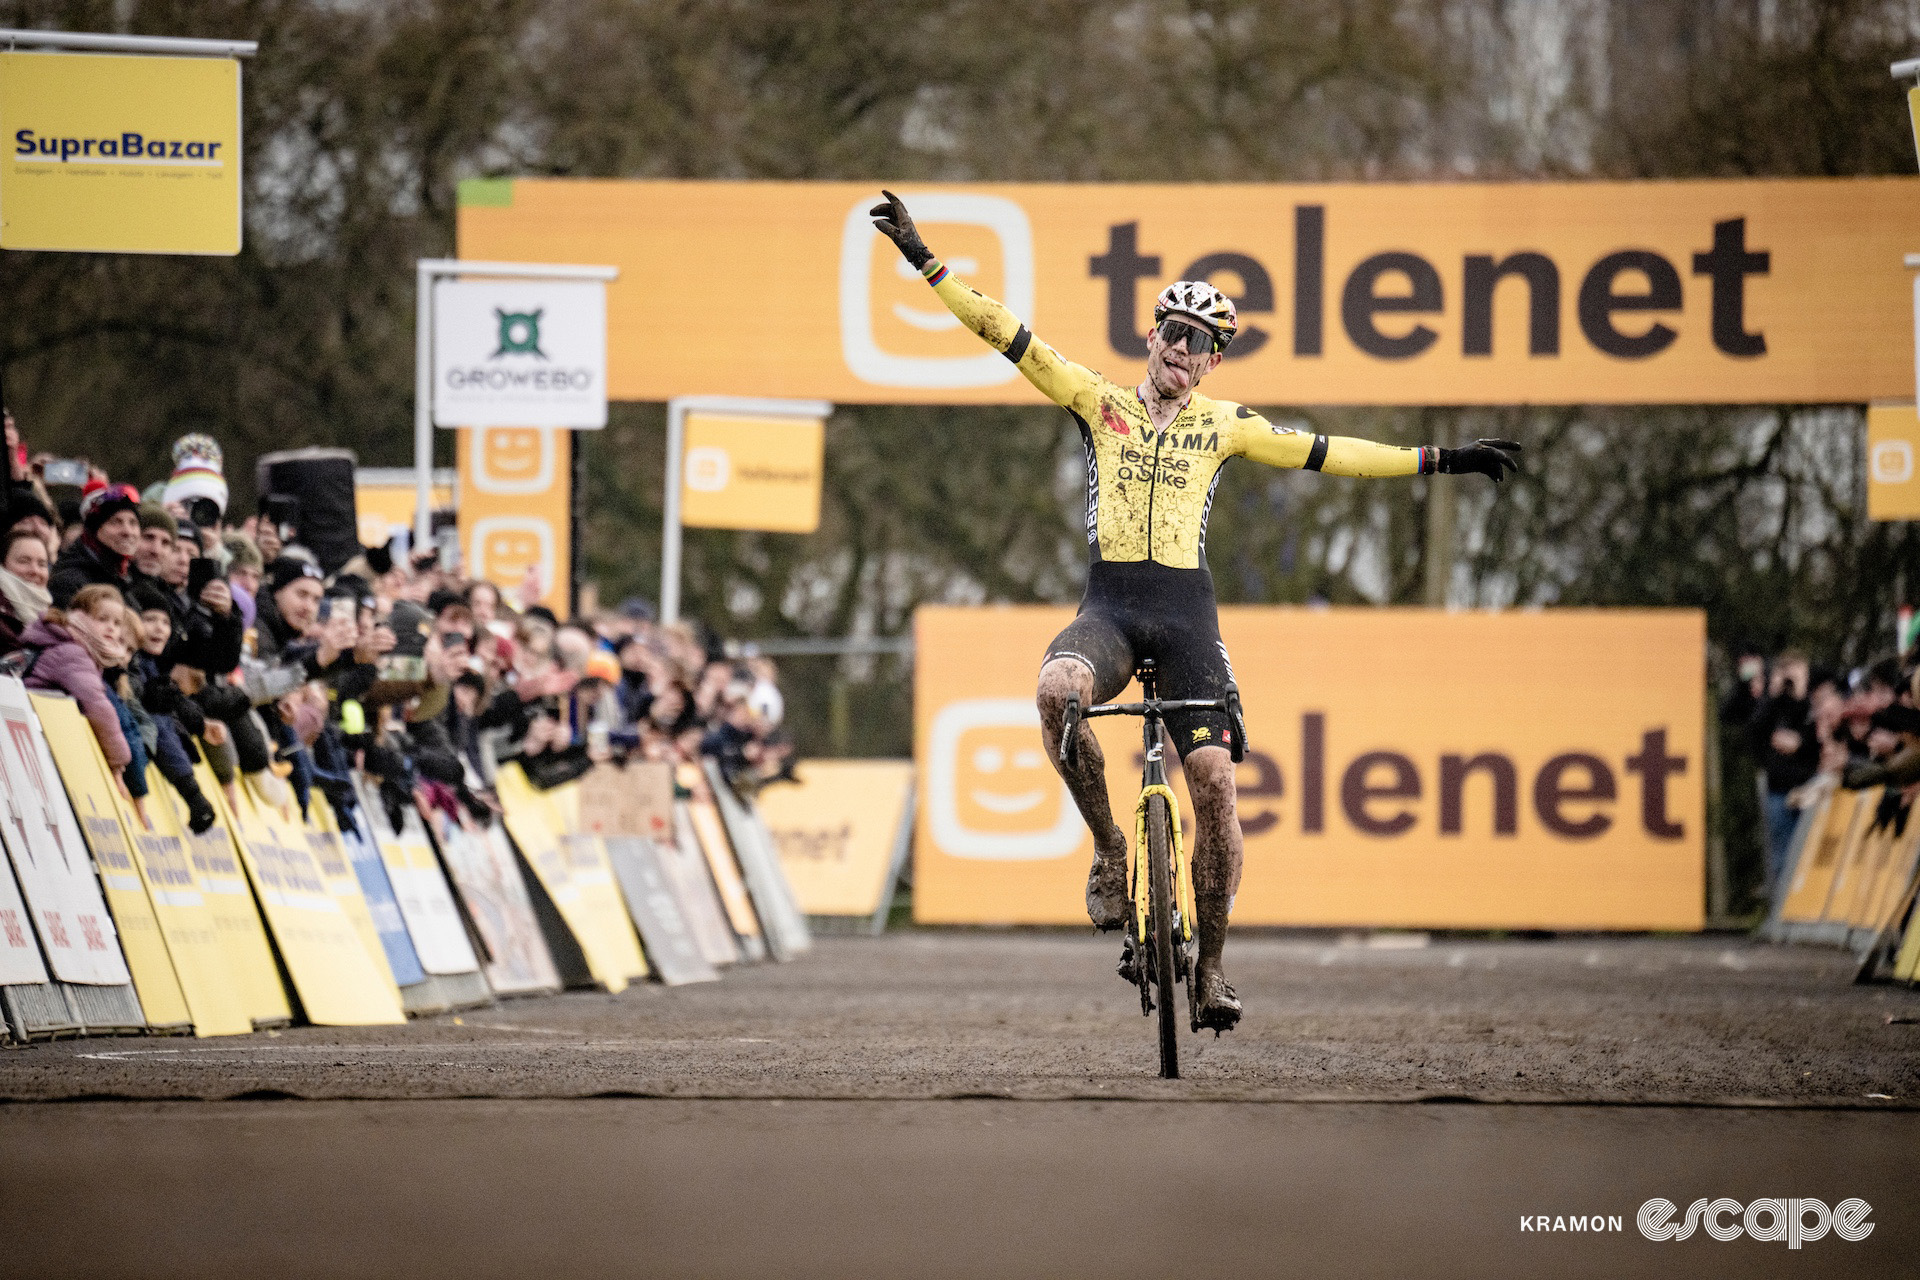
(1057, 378)
(1260, 440)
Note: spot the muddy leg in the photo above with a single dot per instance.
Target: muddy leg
(1087, 779)
(1216, 851)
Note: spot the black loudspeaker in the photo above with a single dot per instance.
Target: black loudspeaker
(321, 481)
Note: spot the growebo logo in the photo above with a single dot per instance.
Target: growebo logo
(1794, 1220)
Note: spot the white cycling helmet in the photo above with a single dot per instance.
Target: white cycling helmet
(1204, 303)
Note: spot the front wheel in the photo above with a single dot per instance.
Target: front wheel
(1160, 922)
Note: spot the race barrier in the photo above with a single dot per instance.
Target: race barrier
(1567, 796)
(843, 833)
(1851, 880)
(116, 918)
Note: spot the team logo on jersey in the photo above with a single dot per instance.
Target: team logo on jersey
(1202, 734)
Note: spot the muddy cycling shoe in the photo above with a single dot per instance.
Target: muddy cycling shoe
(1107, 893)
(1128, 971)
(1216, 1007)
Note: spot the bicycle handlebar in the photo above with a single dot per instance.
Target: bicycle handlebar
(1075, 713)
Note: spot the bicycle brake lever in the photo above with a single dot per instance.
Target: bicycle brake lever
(1237, 749)
(1070, 733)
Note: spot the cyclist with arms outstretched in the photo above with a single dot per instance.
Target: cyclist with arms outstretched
(1154, 454)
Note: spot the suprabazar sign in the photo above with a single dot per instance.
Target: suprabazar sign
(119, 153)
(1460, 293)
(1566, 794)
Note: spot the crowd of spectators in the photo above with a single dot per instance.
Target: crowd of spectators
(185, 635)
(1812, 728)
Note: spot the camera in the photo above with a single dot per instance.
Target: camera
(204, 512)
(68, 471)
(270, 681)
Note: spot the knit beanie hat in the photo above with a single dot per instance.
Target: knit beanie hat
(101, 501)
(197, 463)
(289, 569)
(153, 516)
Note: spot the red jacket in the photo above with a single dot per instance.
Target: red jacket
(65, 666)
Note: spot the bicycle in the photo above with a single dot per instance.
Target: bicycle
(1159, 877)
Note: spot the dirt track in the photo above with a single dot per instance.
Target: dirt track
(952, 1104)
(928, 1015)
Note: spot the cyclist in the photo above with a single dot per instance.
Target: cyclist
(1154, 454)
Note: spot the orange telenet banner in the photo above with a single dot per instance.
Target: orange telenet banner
(1556, 787)
(1720, 292)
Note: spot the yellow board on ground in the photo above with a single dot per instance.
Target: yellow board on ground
(322, 834)
(837, 832)
(337, 981)
(175, 894)
(582, 888)
(1852, 865)
(83, 774)
(1907, 960)
(1813, 872)
(1889, 891)
(243, 935)
(710, 833)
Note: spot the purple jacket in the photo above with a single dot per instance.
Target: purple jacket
(65, 666)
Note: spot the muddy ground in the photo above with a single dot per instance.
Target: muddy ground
(930, 1015)
(983, 1104)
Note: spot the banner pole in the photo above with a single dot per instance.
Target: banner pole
(670, 521)
(423, 403)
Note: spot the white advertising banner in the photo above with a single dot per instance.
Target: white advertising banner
(426, 904)
(51, 859)
(519, 353)
(19, 958)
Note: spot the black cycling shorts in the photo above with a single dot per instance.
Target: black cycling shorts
(1146, 610)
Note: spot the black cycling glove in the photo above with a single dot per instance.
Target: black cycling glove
(891, 219)
(1488, 457)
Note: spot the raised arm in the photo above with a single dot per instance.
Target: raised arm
(1350, 456)
(1057, 378)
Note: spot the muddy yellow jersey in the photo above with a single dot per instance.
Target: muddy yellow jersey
(1149, 492)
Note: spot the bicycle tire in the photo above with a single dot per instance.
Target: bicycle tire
(1160, 922)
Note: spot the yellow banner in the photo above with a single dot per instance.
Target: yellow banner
(322, 834)
(576, 875)
(515, 510)
(837, 830)
(119, 153)
(382, 510)
(83, 773)
(175, 894)
(706, 830)
(1893, 478)
(1449, 293)
(243, 935)
(1406, 768)
(752, 473)
(337, 981)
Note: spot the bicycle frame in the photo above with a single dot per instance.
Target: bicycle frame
(1152, 711)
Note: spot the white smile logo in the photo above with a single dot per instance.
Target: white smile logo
(862, 349)
(709, 467)
(950, 830)
(1892, 462)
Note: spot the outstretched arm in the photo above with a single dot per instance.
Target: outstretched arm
(1057, 378)
(1350, 456)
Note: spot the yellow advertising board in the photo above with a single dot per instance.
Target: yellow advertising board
(243, 935)
(1555, 785)
(119, 153)
(382, 510)
(1893, 446)
(837, 831)
(752, 473)
(1728, 292)
(83, 775)
(515, 509)
(322, 834)
(175, 893)
(577, 876)
(337, 981)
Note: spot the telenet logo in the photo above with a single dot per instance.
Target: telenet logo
(991, 792)
(893, 331)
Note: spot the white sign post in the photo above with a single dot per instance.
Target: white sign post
(521, 347)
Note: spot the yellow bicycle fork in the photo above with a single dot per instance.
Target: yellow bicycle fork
(1182, 873)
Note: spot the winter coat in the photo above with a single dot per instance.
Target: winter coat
(65, 666)
(85, 563)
